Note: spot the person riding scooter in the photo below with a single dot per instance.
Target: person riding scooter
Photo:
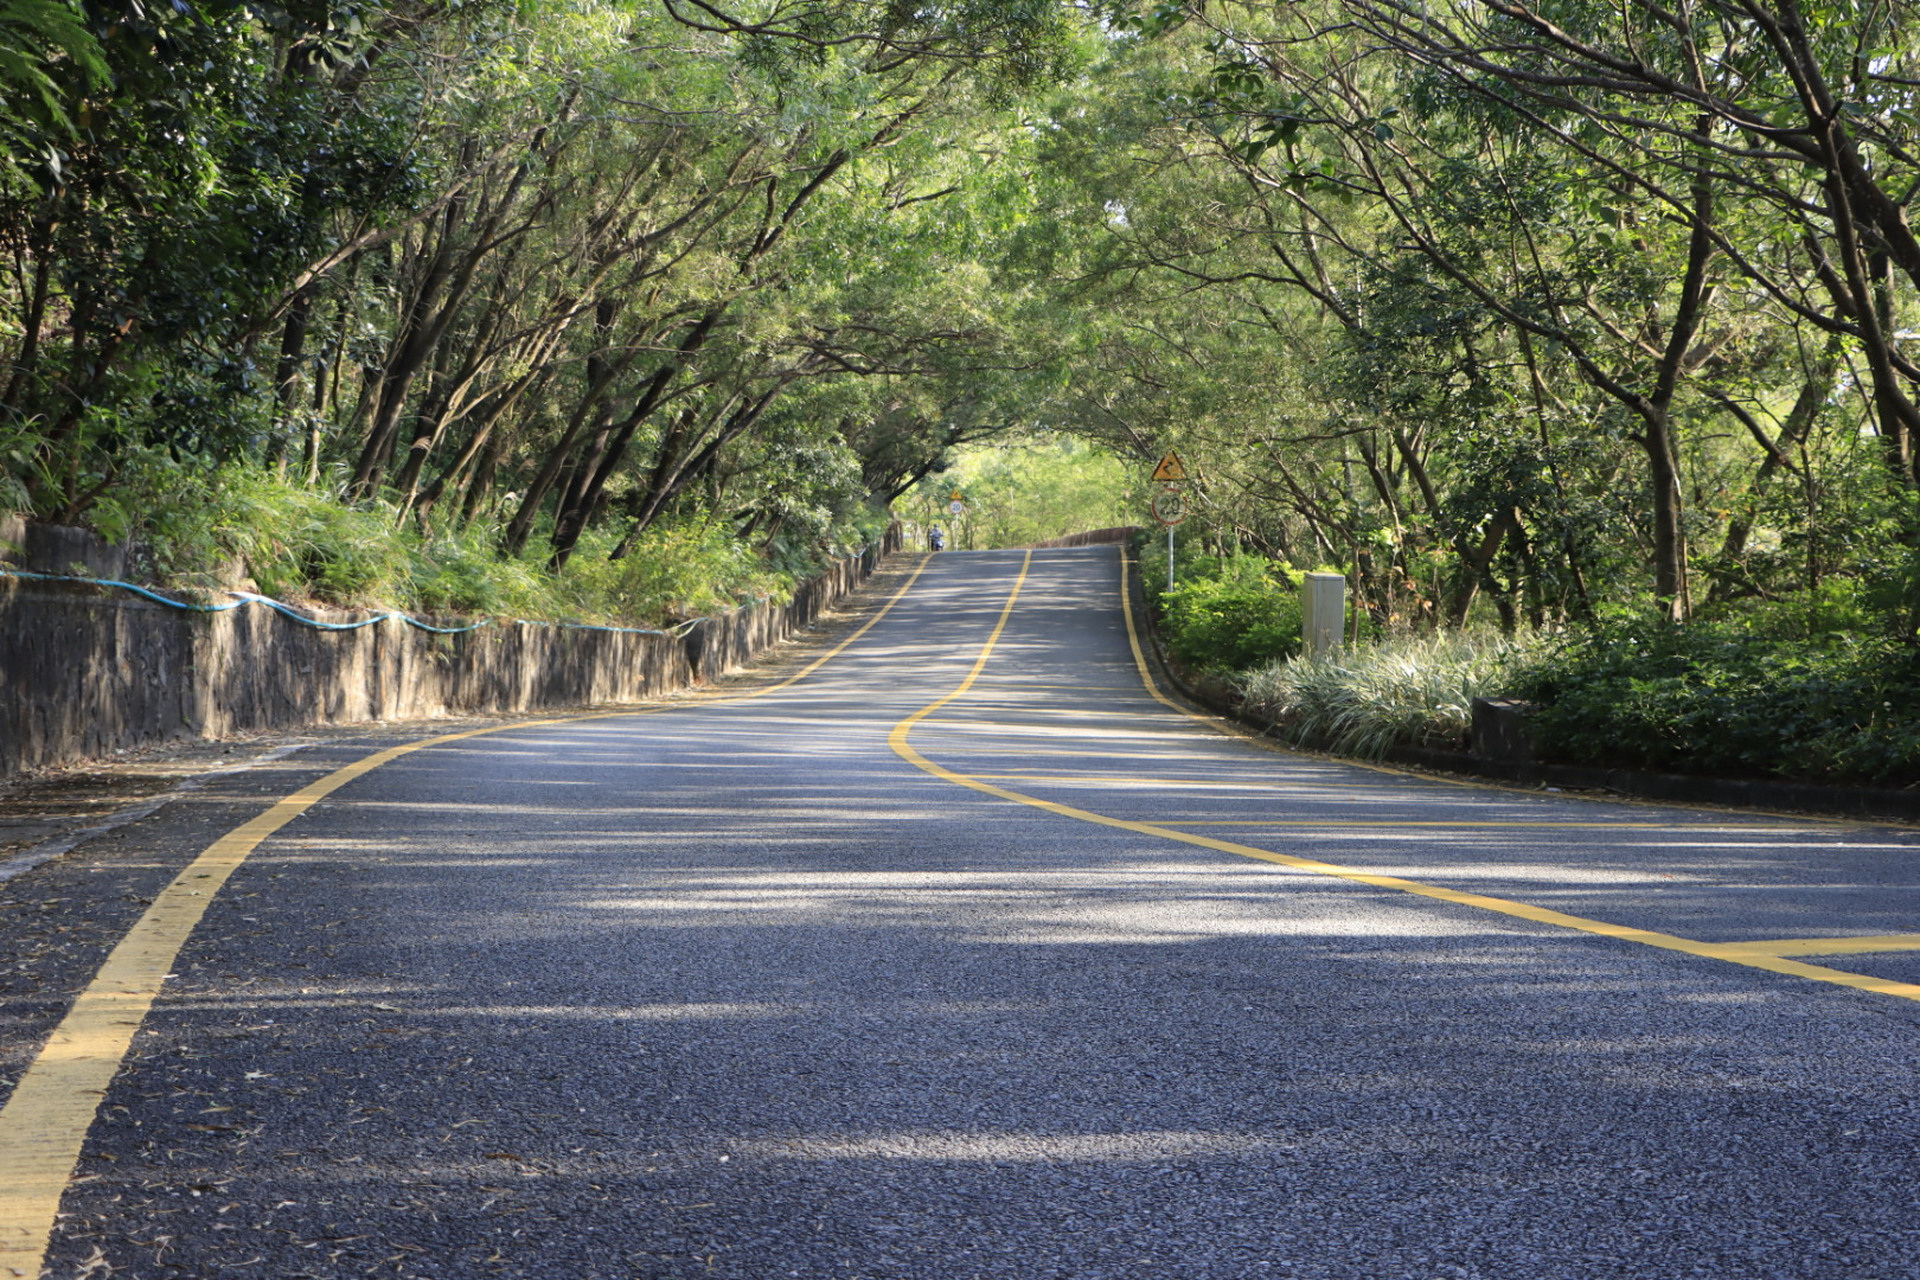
(936, 538)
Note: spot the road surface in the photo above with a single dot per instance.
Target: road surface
(963, 955)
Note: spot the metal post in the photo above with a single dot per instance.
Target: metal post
(1169, 557)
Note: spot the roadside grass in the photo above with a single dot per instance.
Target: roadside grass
(1407, 689)
(1822, 686)
(305, 545)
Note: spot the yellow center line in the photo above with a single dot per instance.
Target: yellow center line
(1861, 945)
(45, 1121)
(1093, 754)
(1217, 784)
(1015, 682)
(1042, 717)
(1363, 823)
(897, 739)
(1734, 953)
(1140, 781)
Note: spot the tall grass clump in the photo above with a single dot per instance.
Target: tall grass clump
(1413, 690)
(306, 545)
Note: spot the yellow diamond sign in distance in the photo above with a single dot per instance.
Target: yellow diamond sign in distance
(1170, 469)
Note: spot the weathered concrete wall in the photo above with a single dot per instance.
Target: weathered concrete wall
(726, 641)
(87, 671)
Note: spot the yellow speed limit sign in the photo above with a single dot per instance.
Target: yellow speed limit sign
(1170, 506)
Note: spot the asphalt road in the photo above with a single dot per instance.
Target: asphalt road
(965, 956)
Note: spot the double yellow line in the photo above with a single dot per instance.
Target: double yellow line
(46, 1119)
(1771, 956)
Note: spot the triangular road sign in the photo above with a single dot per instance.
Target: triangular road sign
(1170, 468)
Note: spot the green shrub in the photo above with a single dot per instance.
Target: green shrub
(1415, 690)
(685, 569)
(1724, 698)
(304, 544)
(1232, 613)
(294, 541)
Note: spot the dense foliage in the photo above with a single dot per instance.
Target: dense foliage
(541, 277)
(1525, 310)
(1227, 613)
(1723, 698)
(1522, 313)
(291, 543)
(1019, 492)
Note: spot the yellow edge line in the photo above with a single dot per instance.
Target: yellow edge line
(45, 1121)
(1146, 674)
(1731, 952)
(1145, 780)
(838, 649)
(1473, 784)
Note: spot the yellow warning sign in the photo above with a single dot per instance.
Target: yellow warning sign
(1170, 468)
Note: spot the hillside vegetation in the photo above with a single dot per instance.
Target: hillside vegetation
(1584, 323)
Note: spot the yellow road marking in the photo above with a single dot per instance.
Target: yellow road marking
(1863, 945)
(1095, 754)
(1363, 823)
(1049, 713)
(1217, 784)
(45, 1121)
(835, 652)
(1015, 682)
(897, 739)
(1146, 675)
(1026, 732)
(1228, 727)
(1733, 953)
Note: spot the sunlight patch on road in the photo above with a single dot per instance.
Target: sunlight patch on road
(949, 1146)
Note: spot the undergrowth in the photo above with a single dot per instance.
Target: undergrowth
(1412, 689)
(1727, 698)
(238, 527)
(1227, 613)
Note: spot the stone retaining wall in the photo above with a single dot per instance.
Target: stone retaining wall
(88, 671)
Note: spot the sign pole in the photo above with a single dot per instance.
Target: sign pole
(1170, 506)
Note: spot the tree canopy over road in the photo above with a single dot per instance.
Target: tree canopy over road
(1543, 310)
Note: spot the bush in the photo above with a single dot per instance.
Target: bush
(305, 545)
(675, 571)
(1415, 690)
(1724, 698)
(1231, 613)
